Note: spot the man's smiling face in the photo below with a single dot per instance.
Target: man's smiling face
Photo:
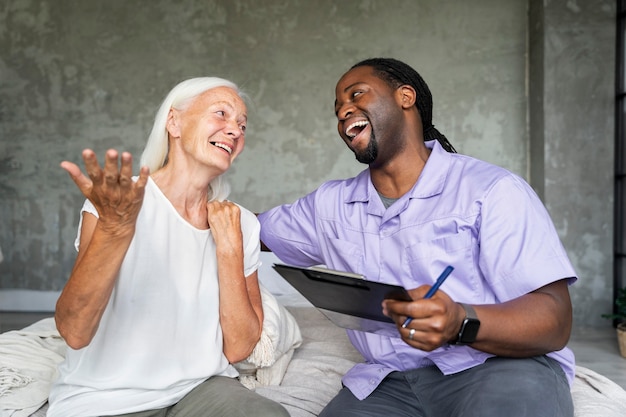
(367, 113)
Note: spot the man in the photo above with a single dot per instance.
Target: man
(492, 339)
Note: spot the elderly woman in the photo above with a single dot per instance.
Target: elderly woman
(164, 295)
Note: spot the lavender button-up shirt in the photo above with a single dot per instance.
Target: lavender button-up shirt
(482, 219)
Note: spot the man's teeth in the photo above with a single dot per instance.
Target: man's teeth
(349, 131)
(225, 147)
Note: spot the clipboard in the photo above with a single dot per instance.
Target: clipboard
(348, 300)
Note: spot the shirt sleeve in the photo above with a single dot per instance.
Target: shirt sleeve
(520, 250)
(290, 231)
(88, 207)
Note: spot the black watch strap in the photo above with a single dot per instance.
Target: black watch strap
(469, 327)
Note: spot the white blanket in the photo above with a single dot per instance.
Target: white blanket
(28, 363)
(596, 395)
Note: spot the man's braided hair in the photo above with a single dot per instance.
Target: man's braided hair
(396, 74)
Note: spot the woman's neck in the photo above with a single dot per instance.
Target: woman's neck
(188, 197)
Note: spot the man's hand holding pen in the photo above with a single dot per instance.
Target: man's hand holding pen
(435, 322)
(431, 320)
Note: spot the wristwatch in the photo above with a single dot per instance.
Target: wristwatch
(469, 327)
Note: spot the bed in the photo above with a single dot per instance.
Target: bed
(298, 362)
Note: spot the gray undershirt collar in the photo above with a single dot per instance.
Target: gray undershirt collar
(387, 201)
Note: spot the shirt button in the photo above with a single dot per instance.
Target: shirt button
(373, 381)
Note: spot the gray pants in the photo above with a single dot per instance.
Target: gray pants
(531, 387)
(219, 397)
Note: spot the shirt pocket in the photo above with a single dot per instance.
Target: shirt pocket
(343, 255)
(425, 260)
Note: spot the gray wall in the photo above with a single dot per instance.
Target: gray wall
(76, 74)
(578, 142)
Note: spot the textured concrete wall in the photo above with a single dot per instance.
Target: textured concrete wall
(578, 108)
(76, 74)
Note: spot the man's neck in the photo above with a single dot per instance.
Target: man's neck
(397, 177)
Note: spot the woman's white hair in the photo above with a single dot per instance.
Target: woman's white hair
(180, 97)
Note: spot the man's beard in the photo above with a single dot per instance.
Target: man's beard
(370, 153)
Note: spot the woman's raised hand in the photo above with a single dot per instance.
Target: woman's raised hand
(111, 190)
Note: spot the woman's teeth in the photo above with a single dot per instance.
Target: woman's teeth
(225, 147)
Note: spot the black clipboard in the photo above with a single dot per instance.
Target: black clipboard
(348, 300)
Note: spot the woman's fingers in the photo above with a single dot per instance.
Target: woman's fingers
(225, 223)
(126, 171)
(83, 183)
(111, 188)
(92, 167)
(111, 170)
(144, 173)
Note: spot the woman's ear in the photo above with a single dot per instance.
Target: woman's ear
(407, 96)
(173, 123)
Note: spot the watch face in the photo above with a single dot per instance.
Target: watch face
(469, 330)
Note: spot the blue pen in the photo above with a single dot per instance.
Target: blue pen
(433, 289)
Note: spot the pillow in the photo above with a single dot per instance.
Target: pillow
(280, 336)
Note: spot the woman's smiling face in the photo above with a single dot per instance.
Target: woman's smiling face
(212, 128)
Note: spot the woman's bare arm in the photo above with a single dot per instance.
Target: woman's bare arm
(241, 310)
(103, 242)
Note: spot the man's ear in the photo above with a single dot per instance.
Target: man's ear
(407, 96)
(173, 124)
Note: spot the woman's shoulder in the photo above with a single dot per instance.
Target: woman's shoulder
(247, 216)
(244, 211)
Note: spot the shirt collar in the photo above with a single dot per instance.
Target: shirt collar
(433, 176)
(429, 183)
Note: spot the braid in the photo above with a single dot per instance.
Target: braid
(396, 74)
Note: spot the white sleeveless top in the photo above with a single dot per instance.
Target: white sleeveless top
(160, 334)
